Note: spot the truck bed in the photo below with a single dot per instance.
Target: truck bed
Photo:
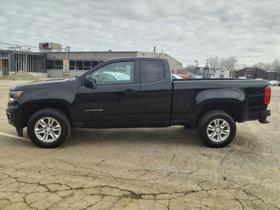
(245, 97)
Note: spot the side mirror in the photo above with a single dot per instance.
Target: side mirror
(90, 83)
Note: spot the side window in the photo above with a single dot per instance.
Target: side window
(151, 71)
(114, 73)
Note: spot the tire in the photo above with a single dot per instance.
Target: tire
(216, 128)
(57, 128)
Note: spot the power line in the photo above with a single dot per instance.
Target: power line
(18, 45)
(67, 48)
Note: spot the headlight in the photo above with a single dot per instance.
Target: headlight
(15, 95)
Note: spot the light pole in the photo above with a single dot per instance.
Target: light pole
(196, 67)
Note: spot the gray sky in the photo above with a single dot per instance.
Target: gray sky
(185, 29)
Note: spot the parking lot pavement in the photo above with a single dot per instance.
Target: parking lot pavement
(143, 168)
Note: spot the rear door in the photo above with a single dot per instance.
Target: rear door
(156, 92)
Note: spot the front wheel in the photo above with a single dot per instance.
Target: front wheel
(216, 128)
(48, 128)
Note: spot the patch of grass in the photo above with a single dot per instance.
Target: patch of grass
(22, 75)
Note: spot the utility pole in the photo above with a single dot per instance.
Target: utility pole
(196, 63)
(67, 50)
(206, 73)
(196, 67)
(234, 61)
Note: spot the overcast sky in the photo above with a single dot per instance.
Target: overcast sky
(185, 29)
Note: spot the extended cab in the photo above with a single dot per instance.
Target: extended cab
(135, 92)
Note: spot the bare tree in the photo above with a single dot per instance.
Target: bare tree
(273, 66)
(276, 65)
(224, 64)
(213, 62)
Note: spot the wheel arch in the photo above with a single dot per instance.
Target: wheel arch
(229, 100)
(232, 107)
(28, 109)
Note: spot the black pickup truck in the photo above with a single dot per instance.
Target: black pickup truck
(135, 92)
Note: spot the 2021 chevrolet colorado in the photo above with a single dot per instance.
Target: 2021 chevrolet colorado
(135, 92)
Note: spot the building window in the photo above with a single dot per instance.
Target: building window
(79, 65)
(58, 64)
(4, 55)
(94, 63)
(87, 65)
(72, 65)
(50, 64)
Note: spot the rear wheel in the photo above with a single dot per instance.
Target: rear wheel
(216, 128)
(48, 128)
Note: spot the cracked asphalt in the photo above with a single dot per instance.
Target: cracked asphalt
(143, 168)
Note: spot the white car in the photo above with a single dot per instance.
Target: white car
(176, 76)
(109, 77)
(196, 76)
(274, 83)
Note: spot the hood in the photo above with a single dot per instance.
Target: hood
(42, 84)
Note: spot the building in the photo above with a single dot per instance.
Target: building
(206, 72)
(273, 75)
(251, 73)
(50, 61)
(219, 73)
(257, 73)
(12, 61)
(80, 62)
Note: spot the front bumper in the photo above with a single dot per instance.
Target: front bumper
(14, 115)
(264, 114)
(10, 116)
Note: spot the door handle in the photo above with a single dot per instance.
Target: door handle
(129, 91)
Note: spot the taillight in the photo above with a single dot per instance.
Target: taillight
(267, 95)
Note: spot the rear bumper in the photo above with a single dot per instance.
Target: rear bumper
(264, 114)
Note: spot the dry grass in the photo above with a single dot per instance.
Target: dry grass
(21, 75)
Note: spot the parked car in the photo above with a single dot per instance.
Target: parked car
(108, 76)
(185, 76)
(180, 76)
(274, 83)
(176, 76)
(145, 96)
(193, 76)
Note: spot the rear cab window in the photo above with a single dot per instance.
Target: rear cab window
(152, 71)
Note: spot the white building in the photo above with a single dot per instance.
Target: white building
(218, 73)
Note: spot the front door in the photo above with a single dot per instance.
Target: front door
(113, 101)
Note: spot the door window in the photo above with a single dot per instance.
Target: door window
(114, 73)
(151, 71)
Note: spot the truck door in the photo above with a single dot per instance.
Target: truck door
(156, 92)
(113, 101)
